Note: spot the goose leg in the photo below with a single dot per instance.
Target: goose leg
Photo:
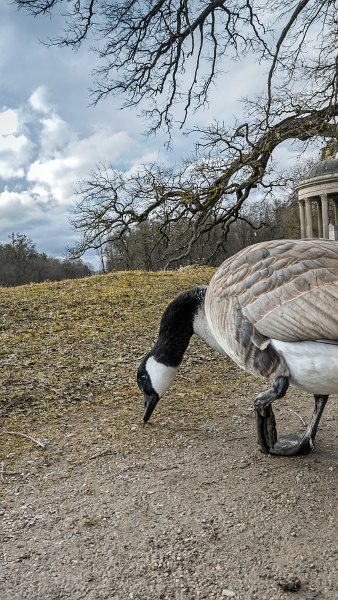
(265, 419)
(301, 443)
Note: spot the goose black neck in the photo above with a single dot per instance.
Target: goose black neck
(176, 327)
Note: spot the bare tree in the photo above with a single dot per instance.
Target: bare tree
(204, 193)
(144, 47)
(166, 54)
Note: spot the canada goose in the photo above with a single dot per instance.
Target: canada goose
(273, 308)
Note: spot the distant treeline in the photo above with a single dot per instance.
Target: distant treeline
(145, 247)
(20, 263)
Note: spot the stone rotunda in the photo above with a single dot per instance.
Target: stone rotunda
(319, 192)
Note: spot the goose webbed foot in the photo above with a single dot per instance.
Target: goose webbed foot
(295, 443)
(288, 445)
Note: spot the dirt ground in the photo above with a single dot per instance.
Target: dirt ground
(100, 506)
(200, 513)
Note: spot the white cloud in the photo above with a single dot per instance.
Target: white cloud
(8, 122)
(39, 100)
(12, 143)
(55, 135)
(9, 172)
(41, 160)
(65, 158)
(105, 146)
(15, 147)
(14, 203)
(17, 209)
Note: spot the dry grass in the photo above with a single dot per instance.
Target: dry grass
(69, 355)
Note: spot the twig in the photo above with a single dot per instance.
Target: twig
(102, 453)
(213, 531)
(297, 415)
(97, 455)
(38, 442)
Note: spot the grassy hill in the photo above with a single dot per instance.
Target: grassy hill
(69, 355)
(95, 504)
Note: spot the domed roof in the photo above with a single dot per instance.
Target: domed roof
(324, 167)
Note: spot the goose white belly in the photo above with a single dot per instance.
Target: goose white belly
(313, 366)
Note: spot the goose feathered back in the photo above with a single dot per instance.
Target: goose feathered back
(287, 289)
(283, 290)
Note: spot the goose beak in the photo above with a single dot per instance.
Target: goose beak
(150, 401)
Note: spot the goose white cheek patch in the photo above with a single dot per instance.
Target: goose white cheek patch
(160, 375)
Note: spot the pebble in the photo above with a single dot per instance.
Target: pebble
(293, 584)
(228, 593)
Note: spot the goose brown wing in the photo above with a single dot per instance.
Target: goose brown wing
(287, 289)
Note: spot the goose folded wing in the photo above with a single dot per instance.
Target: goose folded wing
(310, 315)
(288, 289)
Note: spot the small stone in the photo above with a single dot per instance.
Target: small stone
(228, 593)
(290, 585)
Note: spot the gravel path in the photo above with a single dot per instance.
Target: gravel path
(198, 514)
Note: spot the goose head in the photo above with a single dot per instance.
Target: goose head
(154, 378)
(158, 369)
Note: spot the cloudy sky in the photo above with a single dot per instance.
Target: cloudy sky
(50, 136)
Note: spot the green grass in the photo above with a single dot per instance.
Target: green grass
(69, 354)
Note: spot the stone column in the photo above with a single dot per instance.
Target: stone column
(335, 200)
(320, 219)
(333, 229)
(325, 216)
(308, 213)
(302, 219)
